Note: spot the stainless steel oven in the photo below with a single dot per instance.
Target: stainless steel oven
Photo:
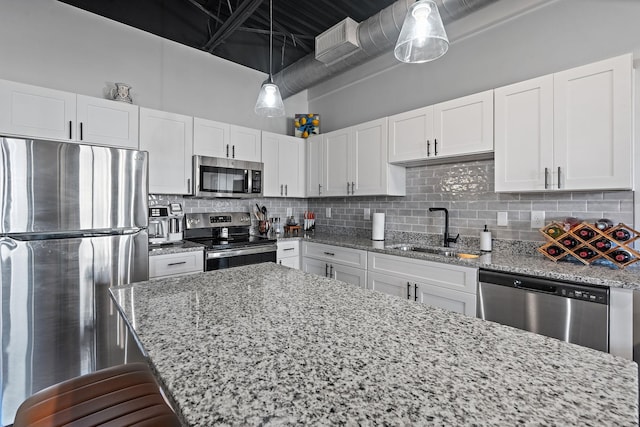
(227, 239)
(220, 177)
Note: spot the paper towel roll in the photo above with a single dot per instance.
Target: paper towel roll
(377, 231)
(485, 241)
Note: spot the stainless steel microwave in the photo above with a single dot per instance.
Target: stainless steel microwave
(220, 177)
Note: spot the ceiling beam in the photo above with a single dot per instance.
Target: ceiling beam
(237, 18)
(264, 19)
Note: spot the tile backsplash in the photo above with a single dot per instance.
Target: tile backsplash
(465, 189)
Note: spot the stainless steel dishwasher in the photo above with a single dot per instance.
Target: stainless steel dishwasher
(571, 312)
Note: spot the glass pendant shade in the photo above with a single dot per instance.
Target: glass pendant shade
(422, 37)
(269, 103)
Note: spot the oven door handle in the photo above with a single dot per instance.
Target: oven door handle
(228, 253)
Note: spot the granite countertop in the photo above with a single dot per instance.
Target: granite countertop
(265, 344)
(509, 262)
(174, 248)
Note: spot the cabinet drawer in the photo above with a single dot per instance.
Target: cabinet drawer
(291, 262)
(176, 264)
(448, 276)
(353, 275)
(345, 256)
(288, 248)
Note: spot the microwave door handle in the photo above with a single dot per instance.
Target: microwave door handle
(246, 182)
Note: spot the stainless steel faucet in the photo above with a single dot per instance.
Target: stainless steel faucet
(447, 239)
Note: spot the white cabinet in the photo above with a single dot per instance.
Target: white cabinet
(354, 163)
(288, 253)
(335, 146)
(411, 135)
(176, 264)
(106, 122)
(314, 166)
(37, 112)
(452, 287)
(168, 138)
(568, 131)
(345, 264)
(217, 139)
(284, 159)
(462, 126)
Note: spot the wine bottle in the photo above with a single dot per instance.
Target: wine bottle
(554, 250)
(602, 244)
(603, 224)
(585, 253)
(621, 235)
(569, 242)
(621, 256)
(586, 233)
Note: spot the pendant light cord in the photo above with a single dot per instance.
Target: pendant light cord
(270, 40)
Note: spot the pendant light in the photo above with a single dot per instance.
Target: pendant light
(422, 37)
(269, 103)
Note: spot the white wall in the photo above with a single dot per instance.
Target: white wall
(555, 36)
(48, 43)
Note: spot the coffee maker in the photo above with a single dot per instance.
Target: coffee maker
(165, 224)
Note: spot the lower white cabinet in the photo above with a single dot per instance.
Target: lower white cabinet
(448, 286)
(345, 264)
(289, 253)
(176, 264)
(355, 276)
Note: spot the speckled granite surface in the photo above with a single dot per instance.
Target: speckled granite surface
(175, 248)
(507, 261)
(268, 345)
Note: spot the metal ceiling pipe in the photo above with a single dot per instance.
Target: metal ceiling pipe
(376, 35)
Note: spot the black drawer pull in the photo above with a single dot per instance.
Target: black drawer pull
(288, 249)
(176, 263)
(408, 290)
(330, 254)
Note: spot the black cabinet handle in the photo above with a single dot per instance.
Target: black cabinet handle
(326, 270)
(227, 150)
(319, 189)
(288, 249)
(428, 148)
(70, 126)
(558, 176)
(408, 290)
(330, 254)
(177, 263)
(286, 192)
(233, 152)
(415, 292)
(81, 139)
(435, 147)
(546, 178)
(281, 189)
(331, 270)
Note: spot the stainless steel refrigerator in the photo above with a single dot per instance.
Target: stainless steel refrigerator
(73, 222)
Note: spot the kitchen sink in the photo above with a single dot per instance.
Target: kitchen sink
(436, 251)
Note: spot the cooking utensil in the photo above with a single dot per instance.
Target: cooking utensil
(264, 212)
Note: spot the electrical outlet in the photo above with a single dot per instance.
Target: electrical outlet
(367, 213)
(502, 219)
(537, 219)
(289, 211)
(328, 213)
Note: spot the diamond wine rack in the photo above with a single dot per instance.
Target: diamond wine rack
(587, 243)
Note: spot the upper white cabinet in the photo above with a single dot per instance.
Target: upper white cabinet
(37, 112)
(354, 163)
(216, 139)
(462, 126)
(168, 138)
(411, 135)
(314, 166)
(107, 122)
(284, 159)
(568, 131)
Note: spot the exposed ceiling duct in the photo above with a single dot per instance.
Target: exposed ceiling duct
(376, 35)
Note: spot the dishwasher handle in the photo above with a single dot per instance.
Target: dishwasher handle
(538, 287)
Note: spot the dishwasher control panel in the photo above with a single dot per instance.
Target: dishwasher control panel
(587, 295)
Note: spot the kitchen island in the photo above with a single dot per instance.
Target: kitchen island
(265, 344)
